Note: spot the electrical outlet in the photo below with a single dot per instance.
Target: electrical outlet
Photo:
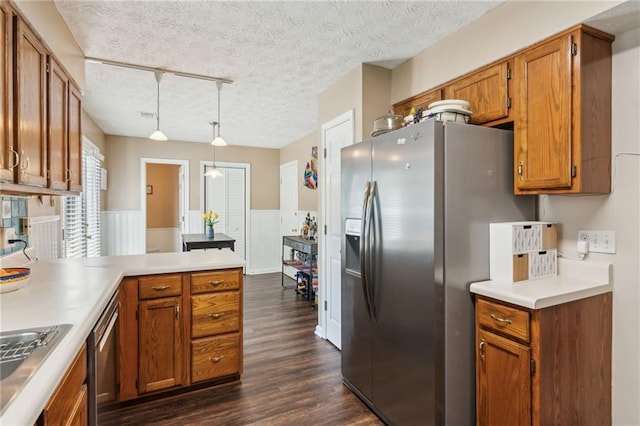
(8, 234)
(599, 241)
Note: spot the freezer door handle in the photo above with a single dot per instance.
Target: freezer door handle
(371, 238)
(364, 247)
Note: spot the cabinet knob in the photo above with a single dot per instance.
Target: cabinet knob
(216, 283)
(520, 169)
(216, 359)
(216, 315)
(481, 349)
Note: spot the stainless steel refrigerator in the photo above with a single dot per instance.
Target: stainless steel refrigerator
(416, 208)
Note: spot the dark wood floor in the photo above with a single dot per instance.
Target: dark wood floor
(291, 376)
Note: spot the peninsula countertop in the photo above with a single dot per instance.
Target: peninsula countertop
(76, 291)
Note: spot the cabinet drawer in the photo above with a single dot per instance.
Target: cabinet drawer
(215, 313)
(205, 282)
(215, 357)
(503, 319)
(159, 286)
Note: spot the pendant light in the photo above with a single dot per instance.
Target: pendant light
(158, 135)
(213, 171)
(217, 140)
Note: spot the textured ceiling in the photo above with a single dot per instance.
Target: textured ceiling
(280, 55)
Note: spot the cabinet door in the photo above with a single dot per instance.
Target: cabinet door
(503, 381)
(74, 169)
(486, 91)
(420, 101)
(160, 344)
(8, 157)
(543, 128)
(31, 95)
(57, 125)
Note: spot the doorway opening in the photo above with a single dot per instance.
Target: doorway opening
(164, 197)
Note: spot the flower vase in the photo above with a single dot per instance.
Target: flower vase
(208, 231)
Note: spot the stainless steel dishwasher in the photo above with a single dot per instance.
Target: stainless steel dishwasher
(102, 371)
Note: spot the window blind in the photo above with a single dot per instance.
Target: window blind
(82, 213)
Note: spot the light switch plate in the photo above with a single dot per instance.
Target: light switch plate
(599, 241)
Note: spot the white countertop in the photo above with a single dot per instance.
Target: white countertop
(575, 280)
(76, 291)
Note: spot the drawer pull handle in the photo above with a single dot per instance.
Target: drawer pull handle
(160, 287)
(216, 316)
(216, 283)
(216, 359)
(501, 320)
(481, 349)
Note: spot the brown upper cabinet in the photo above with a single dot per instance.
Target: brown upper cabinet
(8, 156)
(487, 92)
(41, 114)
(420, 101)
(557, 95)
(563, 128)
(57, 109)
(74, 147)
(31, 98)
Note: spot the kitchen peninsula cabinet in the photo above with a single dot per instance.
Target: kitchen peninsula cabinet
(544, 366)
(68, 405)
(8, 156)
(563, 128)
(179, 329)
(487, 91)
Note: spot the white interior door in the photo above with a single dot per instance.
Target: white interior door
(336, 134)
(289, 198)
(226, 195)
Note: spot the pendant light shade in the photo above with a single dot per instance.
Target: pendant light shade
(157, 135)
(213, 171)
(217, 140)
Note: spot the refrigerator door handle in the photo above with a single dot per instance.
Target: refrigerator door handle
(371, 241)
(364, 247)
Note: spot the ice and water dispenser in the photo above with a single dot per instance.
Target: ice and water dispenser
(352, 237)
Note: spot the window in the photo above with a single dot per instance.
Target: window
(82, 213)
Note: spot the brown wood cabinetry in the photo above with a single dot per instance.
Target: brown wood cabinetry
(563, 126)
(74, 145)
(31, 98)
(420, 101)
(57, 114)
(216, 324)
(556, 95)
(179, 329)
(68, 405)
(40, 115)
(487, 91)
(545, 366)
(8, 156)
(160, 344)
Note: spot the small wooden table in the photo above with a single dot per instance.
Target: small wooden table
(201, 241)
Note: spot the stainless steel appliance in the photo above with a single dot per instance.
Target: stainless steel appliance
(102, 362)
(416, 208)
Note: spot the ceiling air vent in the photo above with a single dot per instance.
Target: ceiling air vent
(147, 114)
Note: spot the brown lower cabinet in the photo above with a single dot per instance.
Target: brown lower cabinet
(548, 366)
(68, 405)
(179, 329)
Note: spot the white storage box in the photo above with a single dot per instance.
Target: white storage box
(522, 250)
